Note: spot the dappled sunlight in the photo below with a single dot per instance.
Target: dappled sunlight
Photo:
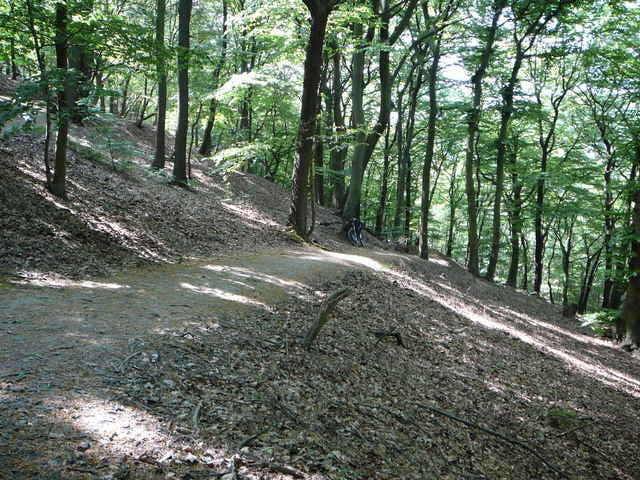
(223, 295)
(249, 274)
(41, 279)
(346, 259)
(107, 421)
(249, 213)
(502, 320)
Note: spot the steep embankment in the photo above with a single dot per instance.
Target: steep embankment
(194, 370)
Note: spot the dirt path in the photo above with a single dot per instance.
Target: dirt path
(61, 339)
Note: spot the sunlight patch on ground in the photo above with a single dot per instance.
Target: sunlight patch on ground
(346, 259)
(253, 275)
(247, 212)
(610, 377)
(111, 422)
(221, 294)
(38, 279)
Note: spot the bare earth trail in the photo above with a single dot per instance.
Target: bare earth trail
(60, 338)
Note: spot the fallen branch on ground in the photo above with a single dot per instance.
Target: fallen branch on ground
(496, 434)
(328, 305)
(380, 334)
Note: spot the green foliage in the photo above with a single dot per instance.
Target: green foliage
(601, 322)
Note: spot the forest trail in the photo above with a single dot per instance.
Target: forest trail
(78, 319)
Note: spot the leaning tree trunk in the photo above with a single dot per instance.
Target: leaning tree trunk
(58, 187)
(180, 161)
(312, 66)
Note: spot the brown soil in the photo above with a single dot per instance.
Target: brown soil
(112, 367)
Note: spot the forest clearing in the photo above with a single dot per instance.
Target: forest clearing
(321, 239)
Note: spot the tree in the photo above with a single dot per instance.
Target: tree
(160, 153)
(180, 161)
(473, 121)
(58, 185)
(319, 11)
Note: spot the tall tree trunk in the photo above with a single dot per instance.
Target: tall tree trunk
(452, 212)
(505, 117)
(401, 173)
(44, 80)
(630, 316)
(384, 187)
(587, 280)
(124, 110)
(428, 157)
(319, 11)
(205, 148)
(473, 122)
(352, 205)
(366, 144)
(160, 152)
(180, 161)
(58, 186)
(339, 151)
(515, 214)
(318, 151)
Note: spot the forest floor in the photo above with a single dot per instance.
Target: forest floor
(148, 331)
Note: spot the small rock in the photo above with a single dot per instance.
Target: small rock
(56, 435)
(83, 447)
(169, 383)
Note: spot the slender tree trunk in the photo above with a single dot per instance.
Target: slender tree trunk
(339, 151)
(428, 157)
(525, 262)
(205, 148)
(473, 122)
(384, 187)
(44, 80)
(587, 280)
(366, 144)
(180, 161)
(160, 152)
(125, 96)
(318, 176)
(401, 173)
(58, 185)
(452, 212)
(312, 66)
(352, 205)
(515, 212)
(505, 114)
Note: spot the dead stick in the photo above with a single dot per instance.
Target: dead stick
(494, 433)
(326, 308)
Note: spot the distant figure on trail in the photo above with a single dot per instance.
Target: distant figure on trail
(354, 232)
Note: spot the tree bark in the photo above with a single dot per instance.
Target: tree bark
(205, 148)
(160, 152)
(473, 122)
(58, 185)
(180, 161)
(319, 11)
(428, 157)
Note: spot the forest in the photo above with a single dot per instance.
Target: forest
(502, 133)
(178, 294)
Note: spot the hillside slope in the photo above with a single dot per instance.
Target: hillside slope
(196, 370)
